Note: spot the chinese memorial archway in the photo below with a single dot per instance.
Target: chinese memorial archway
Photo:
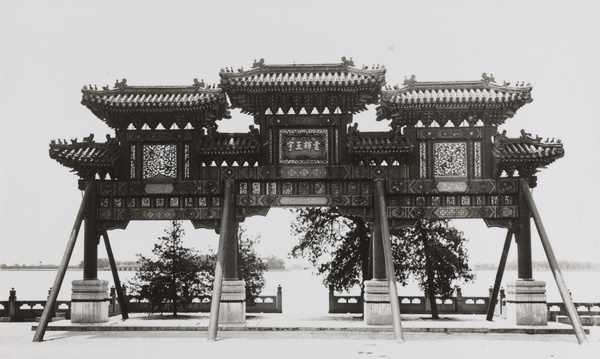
(443, 158)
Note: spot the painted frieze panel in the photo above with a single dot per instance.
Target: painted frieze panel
(450, 133)
(423, 160)
(159, 161)
(450, 159)
(291, 200)
(133, 162)
(186, 161)
(450, 212)
(341, 172)
(159, 214)
(477, 159)
(303, 172)
(160, 135)
(130, 188)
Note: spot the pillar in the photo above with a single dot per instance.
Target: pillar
(525, 297)
(233, 294)
(523, 236)
(89, 298)
(377, 308)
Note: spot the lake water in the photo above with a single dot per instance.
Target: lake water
(303, 293)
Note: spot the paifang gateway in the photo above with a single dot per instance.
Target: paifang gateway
(443, 157)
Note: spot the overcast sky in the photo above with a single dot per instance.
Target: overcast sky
(50, 49)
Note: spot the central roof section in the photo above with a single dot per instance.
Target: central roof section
(324, 88)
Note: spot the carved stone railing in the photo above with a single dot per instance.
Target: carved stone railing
(262, 304)
(556, 309)
(13, 310)
(353, 304)
(414, 304)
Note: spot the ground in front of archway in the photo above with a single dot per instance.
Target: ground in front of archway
(16, 342)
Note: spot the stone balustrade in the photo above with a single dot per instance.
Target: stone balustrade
(13, 310)
(354, 304)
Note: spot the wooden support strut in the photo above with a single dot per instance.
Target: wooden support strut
(499, 274)
(62, 269)
(228, 217)
(389, 263)
(115, 274)
(558, 277)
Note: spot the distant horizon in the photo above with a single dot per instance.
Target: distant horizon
(475, 265)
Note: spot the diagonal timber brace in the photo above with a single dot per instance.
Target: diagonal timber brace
(558, 277)
(62, 269)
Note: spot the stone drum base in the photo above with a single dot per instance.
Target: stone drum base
(89, 301)
(377, 307)
(233, 302)
(526, 303)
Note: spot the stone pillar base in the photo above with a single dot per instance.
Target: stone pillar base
(377, 307)
(233, 302)
(89, 301)
(526, 303)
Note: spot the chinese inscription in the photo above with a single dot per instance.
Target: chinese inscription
(303, 146)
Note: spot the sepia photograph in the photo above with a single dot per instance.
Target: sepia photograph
(308, 179)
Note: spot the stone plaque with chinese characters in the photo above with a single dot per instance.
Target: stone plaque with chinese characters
(298, 146)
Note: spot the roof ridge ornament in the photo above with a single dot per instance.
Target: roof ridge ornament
(347, 62)
(121, 85)
(198, 84)
(412, 81)
(258, 63)
(487, 79)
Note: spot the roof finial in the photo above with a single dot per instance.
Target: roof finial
(347, 62)
(198, 84)
(487, 79)
(411, 81)
(258, 63)
(121, 84)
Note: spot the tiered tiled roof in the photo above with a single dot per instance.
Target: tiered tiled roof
(319, 87)
(525, 154)
(377, 147)
(123, 105)
(229, 147)
(87, 158)
(452, 102)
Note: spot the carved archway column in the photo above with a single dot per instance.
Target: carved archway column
(233, 293)
(89, 296)
(377, 308)
(525, 297)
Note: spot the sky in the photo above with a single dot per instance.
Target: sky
(50, 49)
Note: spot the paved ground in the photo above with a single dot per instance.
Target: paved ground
(16, 342)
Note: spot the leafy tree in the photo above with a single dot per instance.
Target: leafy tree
(432, 252)
(251, 266)
(170, 277)
(337, 245)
